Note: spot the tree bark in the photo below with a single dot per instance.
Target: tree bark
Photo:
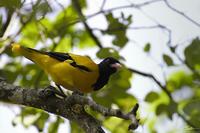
(70, 107)
(46, 101)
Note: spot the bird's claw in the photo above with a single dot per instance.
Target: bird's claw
(50, 91)
(76, 92)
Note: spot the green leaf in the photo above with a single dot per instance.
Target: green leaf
(75, 128)
(191, 109)
(30, 74)
(40, 122)
(54, 126)
(192, 53)
(83, 3)
(151, 97)
(43, 8)
(179, 79)
(63, 45)
(147, 47)
(129, 19)
(172, 108)
(108, 52)
(168, 60)
(173, 49)
(120, 39)
(60, 24)
(169, 109)
(32, 116)
(161, 108)
(116, 125)
(30, 35)
(48, 28)
(82, 39)
(11, 70)
(27, 73)
(11, 4)
(126, 103)
(117, 29)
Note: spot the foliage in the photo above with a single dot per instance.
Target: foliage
(31, 116)
(62, 33)
(147, 47)
(192, 53)
(114, 25)
(168, 60)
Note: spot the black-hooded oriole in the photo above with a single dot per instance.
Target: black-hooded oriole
(73, 72)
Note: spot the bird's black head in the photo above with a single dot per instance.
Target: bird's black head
(109, 65)
(106, 68)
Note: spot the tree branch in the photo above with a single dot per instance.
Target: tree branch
(164, 88)
(6, 24)
(111, 112)
(132, 5)
(154, 79)
(103, 4)
(181, 13)
(71, 107)
(87, 27)
(44, 100)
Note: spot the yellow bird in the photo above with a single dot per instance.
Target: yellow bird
(73, 72)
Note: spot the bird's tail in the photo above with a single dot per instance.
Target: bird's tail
(39, 57)
(29, 53)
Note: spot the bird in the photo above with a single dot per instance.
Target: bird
(72, 71)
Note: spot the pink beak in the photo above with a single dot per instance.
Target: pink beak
(116, 65)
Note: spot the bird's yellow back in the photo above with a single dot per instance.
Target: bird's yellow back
(64, 73)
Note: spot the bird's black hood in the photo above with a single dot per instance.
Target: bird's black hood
(106, 69)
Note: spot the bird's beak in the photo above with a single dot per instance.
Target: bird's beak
(116, 65)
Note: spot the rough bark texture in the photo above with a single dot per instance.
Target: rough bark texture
(71, 107)
(45, 100)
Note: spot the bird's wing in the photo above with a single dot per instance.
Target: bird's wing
(60, 56)
(77, 61)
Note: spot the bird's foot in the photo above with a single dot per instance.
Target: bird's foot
(76, 92)
(60, 89)
(51, 91)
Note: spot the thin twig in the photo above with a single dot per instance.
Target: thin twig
(164, 88)
(137, 6)
(6, 24)
(154, 79)
(103, 4)
(188, 122)
(181, 13)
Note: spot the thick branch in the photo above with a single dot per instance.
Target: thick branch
(71, 107)
(44, 100)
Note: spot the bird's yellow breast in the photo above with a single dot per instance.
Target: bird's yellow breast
(72, 78)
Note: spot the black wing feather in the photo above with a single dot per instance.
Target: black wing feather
(60, 56)
(65, 56)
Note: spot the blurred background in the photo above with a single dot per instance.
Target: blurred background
(157, 40)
